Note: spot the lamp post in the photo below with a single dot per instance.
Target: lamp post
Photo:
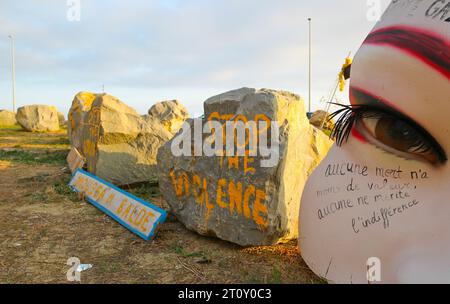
(13, 72)
(310, 55)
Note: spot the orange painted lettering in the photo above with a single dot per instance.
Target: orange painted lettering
(258, 208)
(235, 195)
(248, 193)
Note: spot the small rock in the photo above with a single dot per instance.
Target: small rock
(203, 260)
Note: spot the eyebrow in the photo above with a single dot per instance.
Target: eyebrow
(426, 46)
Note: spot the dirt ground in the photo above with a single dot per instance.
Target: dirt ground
(43, 224)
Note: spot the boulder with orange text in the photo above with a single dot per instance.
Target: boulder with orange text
(38, 118)
(253, 198)
(118, 144)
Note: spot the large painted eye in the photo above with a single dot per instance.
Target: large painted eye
(399, 136)
(387, 129)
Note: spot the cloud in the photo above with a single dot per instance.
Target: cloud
(171, 46)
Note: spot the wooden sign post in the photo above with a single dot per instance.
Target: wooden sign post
(75, 160)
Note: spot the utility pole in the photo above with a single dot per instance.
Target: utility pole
(310, 55)
(13, 73)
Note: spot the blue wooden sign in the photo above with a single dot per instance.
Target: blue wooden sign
(133, 213)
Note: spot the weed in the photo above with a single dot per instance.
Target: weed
(320, 281)
(33, 158)
(40, 178)
(254, 280)
(181, 251)
(276, 276)
(62, 188)
(146, 191)
(11, 128)
(38, 197)
(223, 264)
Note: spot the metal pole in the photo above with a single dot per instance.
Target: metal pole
(309, 99)
(13, 73)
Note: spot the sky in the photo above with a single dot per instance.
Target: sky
(145, 51)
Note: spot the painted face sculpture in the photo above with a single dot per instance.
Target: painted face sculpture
(377, 209)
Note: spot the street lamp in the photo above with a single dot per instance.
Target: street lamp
(309, 81)
(13, 73)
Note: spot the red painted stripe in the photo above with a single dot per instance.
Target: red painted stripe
(426, 46)
(357, 135)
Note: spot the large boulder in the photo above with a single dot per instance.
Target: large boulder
(77, 117)
(118, 144)
(38, 118)
(172, 114)
(322, 117)
(61, 119)
(238, 199)
(7, 118)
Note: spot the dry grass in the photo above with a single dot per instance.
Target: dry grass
(43, 224)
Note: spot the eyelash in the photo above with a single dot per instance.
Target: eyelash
(349, 115)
